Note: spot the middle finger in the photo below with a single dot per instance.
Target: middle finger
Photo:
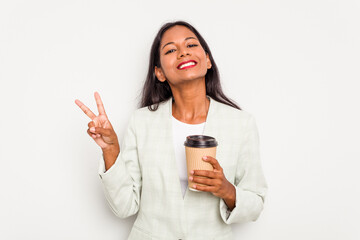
(99, 104)
(205, 173)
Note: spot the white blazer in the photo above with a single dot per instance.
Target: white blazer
(144, 179)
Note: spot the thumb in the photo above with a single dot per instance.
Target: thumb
(102, 131)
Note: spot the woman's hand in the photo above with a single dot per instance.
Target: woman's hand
(216, 183)
(100, 128)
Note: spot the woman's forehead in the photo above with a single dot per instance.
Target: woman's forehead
(176, 33)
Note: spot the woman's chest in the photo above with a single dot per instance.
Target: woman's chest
(156, 149)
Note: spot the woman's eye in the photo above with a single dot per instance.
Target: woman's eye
(169, 51)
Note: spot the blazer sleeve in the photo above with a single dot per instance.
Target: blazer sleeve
(250, 183)
(122, 181)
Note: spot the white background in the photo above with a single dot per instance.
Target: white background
(293, 64)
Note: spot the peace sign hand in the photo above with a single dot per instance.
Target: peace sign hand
(100, 128)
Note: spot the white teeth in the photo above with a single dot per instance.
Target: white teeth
(187, 64)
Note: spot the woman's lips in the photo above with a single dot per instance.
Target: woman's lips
(187, 67)
(193, 63)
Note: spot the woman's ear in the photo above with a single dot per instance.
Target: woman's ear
(159, 74)
(208, 62)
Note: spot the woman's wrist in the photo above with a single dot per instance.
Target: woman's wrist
(110, 155)
(230, 198)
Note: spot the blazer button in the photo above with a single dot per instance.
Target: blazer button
(100, 176)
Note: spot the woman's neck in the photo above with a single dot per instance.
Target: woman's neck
(190, 109)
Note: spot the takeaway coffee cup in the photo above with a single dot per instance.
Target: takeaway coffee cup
(197, 146)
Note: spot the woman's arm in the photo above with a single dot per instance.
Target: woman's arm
(122, 181)
(250, 184)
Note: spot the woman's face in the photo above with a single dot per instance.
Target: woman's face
(179, 46)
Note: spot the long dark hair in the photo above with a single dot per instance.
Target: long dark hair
(154, 91)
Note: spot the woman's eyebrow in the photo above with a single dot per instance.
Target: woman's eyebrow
(173, 42)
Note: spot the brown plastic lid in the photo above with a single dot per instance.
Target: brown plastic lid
(200, 141)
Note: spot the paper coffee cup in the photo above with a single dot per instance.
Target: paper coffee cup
(197, 146)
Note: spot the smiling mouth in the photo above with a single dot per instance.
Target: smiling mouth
(187, 65)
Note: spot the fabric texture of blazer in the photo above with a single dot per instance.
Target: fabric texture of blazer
(144, 179)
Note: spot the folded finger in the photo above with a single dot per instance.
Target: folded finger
(91, 134)
(91, 124)
(100, 131)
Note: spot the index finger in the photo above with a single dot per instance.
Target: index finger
(99, 103)
(85, 109)
(213, 162)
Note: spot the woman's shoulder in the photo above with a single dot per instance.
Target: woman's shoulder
(144, 113)
(227, 111)
(233, 118)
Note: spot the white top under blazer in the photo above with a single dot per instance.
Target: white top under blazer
(144, 179)
(180, 131)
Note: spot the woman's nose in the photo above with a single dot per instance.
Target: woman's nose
(183, 52)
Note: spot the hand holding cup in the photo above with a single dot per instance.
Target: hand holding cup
(204, 171)
(212, 181)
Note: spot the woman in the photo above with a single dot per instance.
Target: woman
(181, 96)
